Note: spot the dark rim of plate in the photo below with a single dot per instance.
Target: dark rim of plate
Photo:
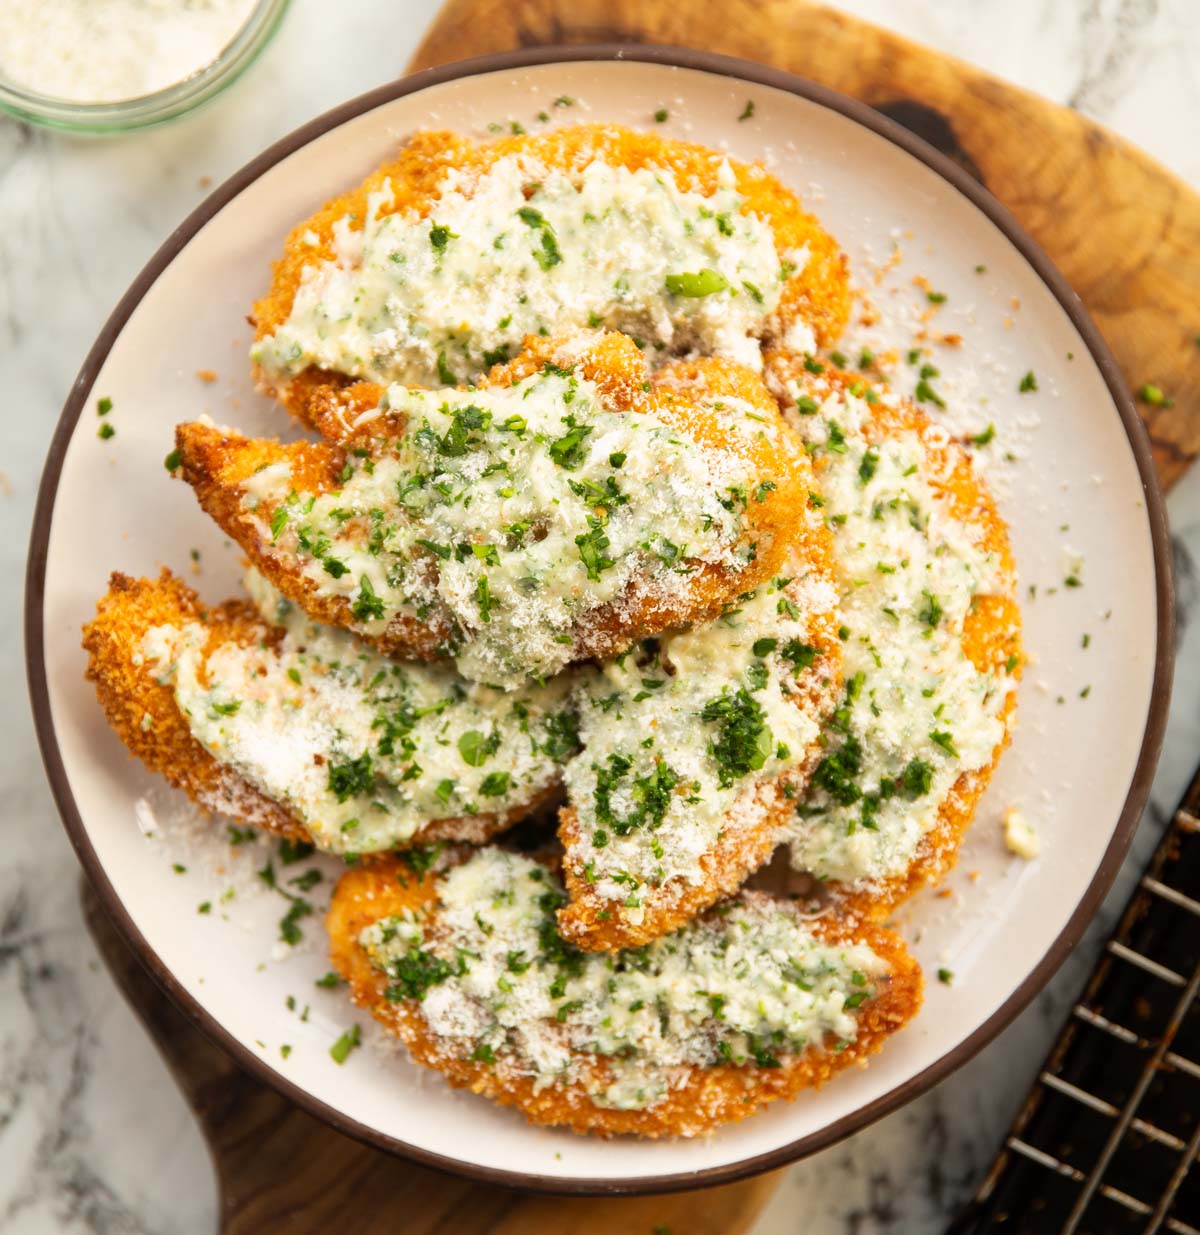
(756, 74)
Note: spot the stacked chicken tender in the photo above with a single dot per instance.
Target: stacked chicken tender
(589, 539)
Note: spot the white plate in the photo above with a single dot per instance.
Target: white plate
(1079, 768)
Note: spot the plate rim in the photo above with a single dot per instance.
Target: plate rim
(754, 74)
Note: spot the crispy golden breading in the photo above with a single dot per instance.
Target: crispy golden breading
(216, 463)
(147, 719)
(818, 294)
(991, 632)
(709, 1097)
(587, 920)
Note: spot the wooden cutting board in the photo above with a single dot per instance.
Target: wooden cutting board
(1124, 232)
(1127, 236)
(282, 1172)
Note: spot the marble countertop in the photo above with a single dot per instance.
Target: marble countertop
(93, 1135)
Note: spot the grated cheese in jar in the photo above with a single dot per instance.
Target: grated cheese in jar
(107, 51)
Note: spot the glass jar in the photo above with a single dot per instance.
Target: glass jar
(160, 105)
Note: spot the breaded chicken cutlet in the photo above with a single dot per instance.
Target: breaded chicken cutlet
(259, 715)
(443, 260)
(697, 743)
(565, 510)
(931, 639)
(701, 1028)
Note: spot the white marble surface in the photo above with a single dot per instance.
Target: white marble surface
(93, 1136)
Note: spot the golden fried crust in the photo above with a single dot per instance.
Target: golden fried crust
(819, 293)
(215, 463)
(991, 632)
(587, 920)
(708, 1098)
(143, 711)
(145, 716)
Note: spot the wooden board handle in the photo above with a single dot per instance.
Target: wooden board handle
(1124, 232)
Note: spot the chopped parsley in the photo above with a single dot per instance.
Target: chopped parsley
(289, 924)
(350, 779)
(592, 545)
(925, 393)
(916, 779)
(1153, 395)
(943, 739)
(368, 606)
(801, 655)
(706, 282)
(440, 236)
(650, 796)
(568, 451)
(476, 749)
(931, 612)
(744, 741)
(464, 421)
(339, 1052)
(483, 598)
(495, 785)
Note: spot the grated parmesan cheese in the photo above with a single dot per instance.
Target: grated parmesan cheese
(749, 985)
(917, 714)
(527, 249)
(364, 751)
(512, 515)
(692, 738)
(1020, 836)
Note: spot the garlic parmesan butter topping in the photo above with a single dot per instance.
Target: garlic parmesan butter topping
(526, 249)
(689, 737)
(916, 714)
(511, 516)
(747, 985)
(364, 751)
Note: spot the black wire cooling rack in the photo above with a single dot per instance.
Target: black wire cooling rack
(1107, 1141)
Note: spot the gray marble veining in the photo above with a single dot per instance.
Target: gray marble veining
(93, 1135)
